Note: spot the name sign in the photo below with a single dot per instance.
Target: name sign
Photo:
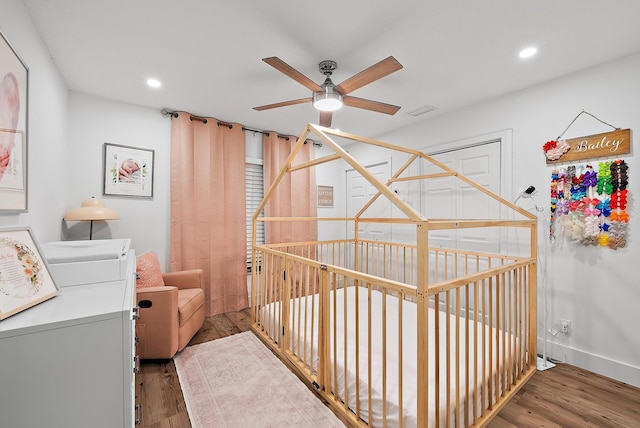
(609, 144)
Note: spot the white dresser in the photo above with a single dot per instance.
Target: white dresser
(70, 361)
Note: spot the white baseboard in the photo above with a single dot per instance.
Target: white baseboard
(603, 366)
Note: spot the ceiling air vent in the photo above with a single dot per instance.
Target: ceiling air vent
(421, 110)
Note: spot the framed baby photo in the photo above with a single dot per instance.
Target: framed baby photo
(14, 87)
(127, 171)
(25, 280)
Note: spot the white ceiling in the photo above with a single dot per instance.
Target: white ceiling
(208, 53)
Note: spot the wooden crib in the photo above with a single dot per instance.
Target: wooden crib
(400, 333)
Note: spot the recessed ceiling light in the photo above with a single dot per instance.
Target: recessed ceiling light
(154, 83)
(528, 52)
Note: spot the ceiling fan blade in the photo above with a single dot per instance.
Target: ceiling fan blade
(371, 74)
(285, 68)
(325, 118)
(284, 104)
(370, 105)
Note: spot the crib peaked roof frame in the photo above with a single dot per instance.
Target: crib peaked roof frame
(412, 215)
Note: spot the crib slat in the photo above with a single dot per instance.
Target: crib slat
(436, 336)
(457, 360)
(369, 373)
(447, 359)
(357, 346)
(345, 336)
(400, 363)
(384, 357)
(334, 317)
(476, 351)
(485, 357)
(286, 309)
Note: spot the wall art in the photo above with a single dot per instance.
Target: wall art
(128, 171)
(14, 86)
(325, 196)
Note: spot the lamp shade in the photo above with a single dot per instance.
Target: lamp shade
(92, 209)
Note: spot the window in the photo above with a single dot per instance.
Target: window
(255, 192)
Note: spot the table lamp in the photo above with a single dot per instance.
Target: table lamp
(90, 210)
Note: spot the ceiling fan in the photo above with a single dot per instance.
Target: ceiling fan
(329, 97)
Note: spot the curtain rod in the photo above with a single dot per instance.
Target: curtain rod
(286, 137)
(172, 114)
(193, 117)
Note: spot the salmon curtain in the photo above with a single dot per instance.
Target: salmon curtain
(208, 228)
(295, 195)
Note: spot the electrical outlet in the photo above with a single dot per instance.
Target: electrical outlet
(565, 325)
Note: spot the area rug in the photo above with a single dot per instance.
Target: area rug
(237, 382)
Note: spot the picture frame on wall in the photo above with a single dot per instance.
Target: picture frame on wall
(325, 196)
(127, 171)
(14, 88)
(25, 279)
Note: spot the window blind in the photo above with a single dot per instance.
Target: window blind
(255, 192)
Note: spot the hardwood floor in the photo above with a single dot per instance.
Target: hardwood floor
(564, 396)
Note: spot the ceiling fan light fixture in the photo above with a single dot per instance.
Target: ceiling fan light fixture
(327, 101)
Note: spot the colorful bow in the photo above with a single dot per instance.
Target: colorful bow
(590, 179)
(603, 239)
(592, 212)
(576, 205)
(620, 216)
(618, 199)
(604, 208)
(562, 207)
(591, 226)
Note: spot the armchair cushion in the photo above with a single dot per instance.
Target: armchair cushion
(148, 270)
(189, 301)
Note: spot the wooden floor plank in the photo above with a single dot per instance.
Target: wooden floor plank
(206, 333)
(180, 420)
(500, 422)
(160, 393)
(569, 396)
(524, 417)
(224, 325)
(565, 396)
(241, 319)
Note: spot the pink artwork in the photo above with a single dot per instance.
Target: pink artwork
(9, 113)
(13, 119)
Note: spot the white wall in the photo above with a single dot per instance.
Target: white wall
(596, 288)
(94, 121)
(47, 157)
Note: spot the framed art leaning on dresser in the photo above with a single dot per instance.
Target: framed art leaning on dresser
(25, 279)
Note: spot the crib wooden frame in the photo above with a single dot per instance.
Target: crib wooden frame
(461, 297)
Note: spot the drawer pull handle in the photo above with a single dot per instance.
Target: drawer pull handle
(138, 420)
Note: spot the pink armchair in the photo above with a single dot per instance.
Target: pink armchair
(170, 314)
